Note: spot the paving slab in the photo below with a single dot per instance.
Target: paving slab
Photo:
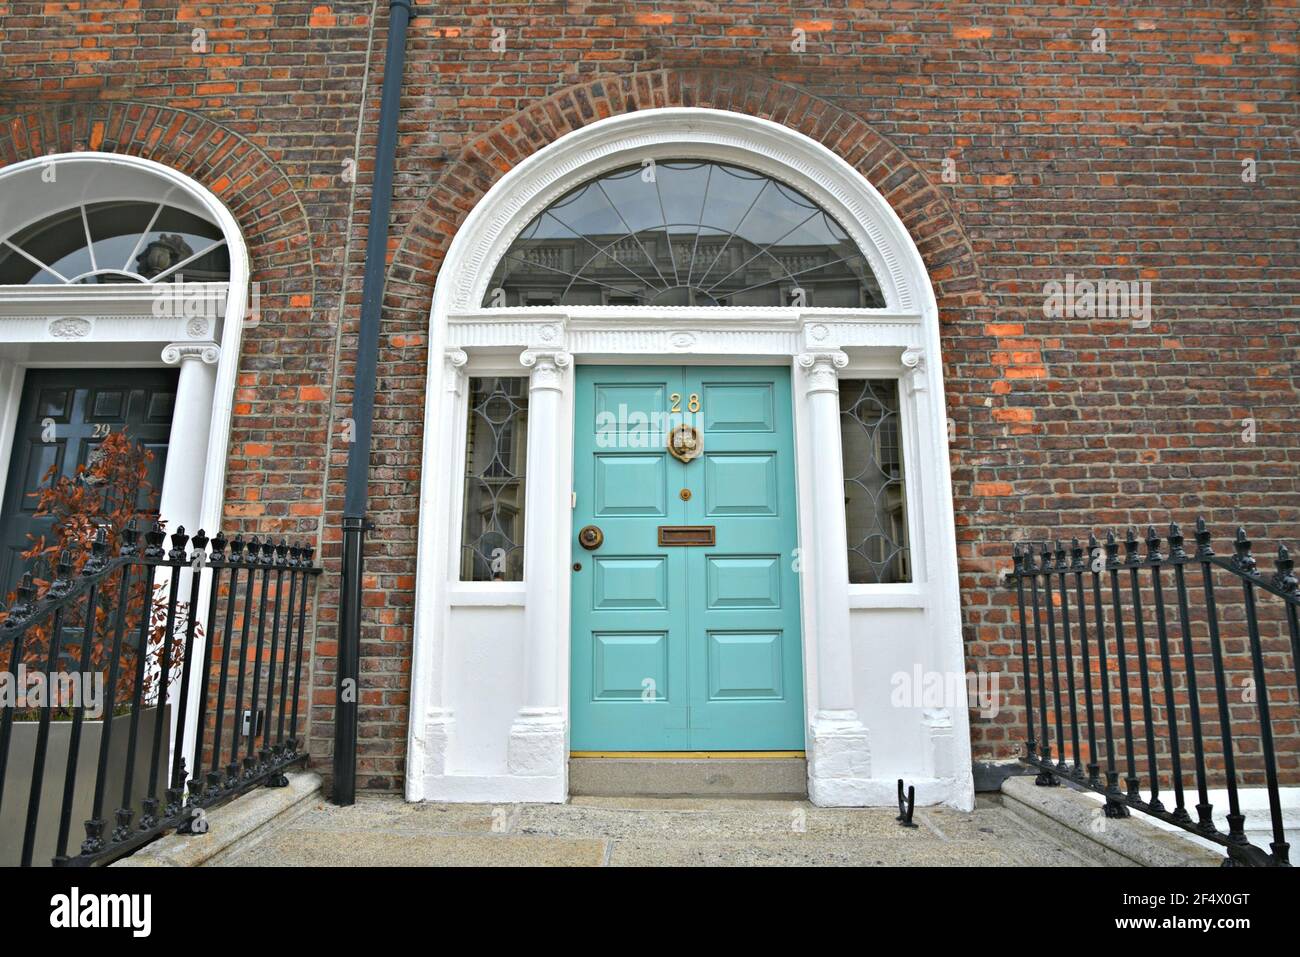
(304, 847)
(655, 832)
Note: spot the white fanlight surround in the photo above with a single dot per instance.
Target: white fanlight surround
(490, 669)
(122, 325)
(196, 326)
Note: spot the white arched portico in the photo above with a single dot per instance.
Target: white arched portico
(67, 322)
(490, 671)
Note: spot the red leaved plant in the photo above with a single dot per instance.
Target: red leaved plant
(105, 493)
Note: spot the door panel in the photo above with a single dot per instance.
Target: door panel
(84, 405)
(685, 647)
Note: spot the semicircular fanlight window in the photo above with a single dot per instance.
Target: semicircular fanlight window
(684, 233)
(115, 242)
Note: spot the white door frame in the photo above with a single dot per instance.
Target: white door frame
(528, 760)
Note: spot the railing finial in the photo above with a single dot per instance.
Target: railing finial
(22, 607)
(98, 553)
(1243, 560)
(1131, 556)
(218, 548)
(177, 551)
(1285, 579)
(62, 576)
(1176, 541)
(130, 537)
(1203, 549)
(153, 541)
(1153, 545)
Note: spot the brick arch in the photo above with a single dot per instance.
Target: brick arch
(274, 380)
(924, 210)
(245, 179)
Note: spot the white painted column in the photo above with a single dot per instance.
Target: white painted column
(537, 737)
(181, 498)
(430, 737)
(11, 395)
(839, 765)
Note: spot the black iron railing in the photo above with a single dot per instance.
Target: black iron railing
(1120, 688)
(145, 626)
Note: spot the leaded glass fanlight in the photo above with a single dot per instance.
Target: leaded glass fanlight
(684, 233)
(115, 242)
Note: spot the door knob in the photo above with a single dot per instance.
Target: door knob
(591, 537)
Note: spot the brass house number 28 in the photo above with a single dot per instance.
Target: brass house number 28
(692, 403)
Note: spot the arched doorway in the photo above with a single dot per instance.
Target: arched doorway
(819, 302)
(123, 294)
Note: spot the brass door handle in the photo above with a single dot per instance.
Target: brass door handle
(591, 537)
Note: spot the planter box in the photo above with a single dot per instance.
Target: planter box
(18, 781)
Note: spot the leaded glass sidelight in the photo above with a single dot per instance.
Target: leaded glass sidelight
(683, 233)
(492, 536)
(115, 242)
(875, 499)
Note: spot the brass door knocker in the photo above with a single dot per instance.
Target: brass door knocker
(685, 443)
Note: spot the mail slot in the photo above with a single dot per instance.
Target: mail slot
(688, 534)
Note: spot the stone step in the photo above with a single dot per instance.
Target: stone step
(774, 777)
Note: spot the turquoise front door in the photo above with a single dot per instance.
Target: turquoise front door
(685, 647)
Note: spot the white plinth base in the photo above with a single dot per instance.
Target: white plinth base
(537, 756)
(839, 760)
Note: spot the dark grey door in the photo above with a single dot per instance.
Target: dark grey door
(64, 415)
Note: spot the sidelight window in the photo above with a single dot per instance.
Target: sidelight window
(496, 441)
(875, 499)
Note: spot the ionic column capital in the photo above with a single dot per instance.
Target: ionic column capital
(548, 367)
(915, 363)
(822, 370)
(177, 352)
(455, 360)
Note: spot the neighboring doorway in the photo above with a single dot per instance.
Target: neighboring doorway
(64, 415)
(685, 617)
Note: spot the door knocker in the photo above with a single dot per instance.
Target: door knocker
(685, 443)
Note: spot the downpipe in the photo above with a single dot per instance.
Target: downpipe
(355, 525)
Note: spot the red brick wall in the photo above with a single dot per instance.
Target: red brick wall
(1121, 164)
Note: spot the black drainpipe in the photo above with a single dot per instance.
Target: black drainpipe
(355, 524)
